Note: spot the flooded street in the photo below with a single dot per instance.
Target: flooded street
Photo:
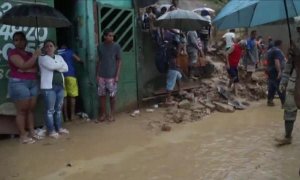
(229, 146)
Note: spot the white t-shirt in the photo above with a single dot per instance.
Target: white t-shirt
(229, 36)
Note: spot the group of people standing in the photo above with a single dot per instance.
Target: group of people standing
(191, 45)
(172, 42)
(280, 71)
(253, 54)
(54, 77)
(24, 86)
(51, 73)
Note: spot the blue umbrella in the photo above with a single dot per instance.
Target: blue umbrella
(235, 14)
(249, 13)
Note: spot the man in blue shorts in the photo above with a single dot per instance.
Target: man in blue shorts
(173, 76)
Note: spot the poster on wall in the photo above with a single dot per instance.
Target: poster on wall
(6, 33)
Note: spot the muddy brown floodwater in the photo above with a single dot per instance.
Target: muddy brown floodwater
(230, 146)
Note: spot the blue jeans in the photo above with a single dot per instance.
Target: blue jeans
(21, 89)
(53, 99)
(273, 87)
(172, 77)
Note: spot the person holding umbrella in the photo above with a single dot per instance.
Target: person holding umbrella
(174, 72)
(23, 86)
(287, 86)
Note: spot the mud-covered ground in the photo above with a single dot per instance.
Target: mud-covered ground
(237, 145)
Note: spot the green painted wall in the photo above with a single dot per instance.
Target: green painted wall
(149, 77)
(85, 45)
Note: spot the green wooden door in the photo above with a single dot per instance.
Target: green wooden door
(121, 21)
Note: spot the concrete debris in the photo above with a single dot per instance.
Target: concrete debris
(184, 104)
(149, 110)
(166, 127)
(209, 105)
(183, 93)
(135, 113)
(212, 94)
(190, 97)
(172, 110)
(177, 118)
(197, 106)
(155, 106)
(221, 107)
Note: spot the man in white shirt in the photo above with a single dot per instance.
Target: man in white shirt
(229, 38)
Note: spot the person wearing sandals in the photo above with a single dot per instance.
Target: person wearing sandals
(108, 70)
(52, 67)
(23, 86)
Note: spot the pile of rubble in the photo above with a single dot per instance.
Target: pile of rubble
(212, 95)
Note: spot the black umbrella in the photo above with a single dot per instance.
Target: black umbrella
(145, 3)
(182, 19)
(34, 15)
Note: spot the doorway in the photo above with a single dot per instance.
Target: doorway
(67, 37)
(64, 35)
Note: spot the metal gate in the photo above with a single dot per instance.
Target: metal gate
(122, 22)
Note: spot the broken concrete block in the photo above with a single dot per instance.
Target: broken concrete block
(223, 107)
(172, 110)
(207, 111)
(177, 119)
(165, 127)
(210, 105)
(190, 97)
(197, 106)
(184, 104)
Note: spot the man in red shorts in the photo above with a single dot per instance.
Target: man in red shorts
(233, 58)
